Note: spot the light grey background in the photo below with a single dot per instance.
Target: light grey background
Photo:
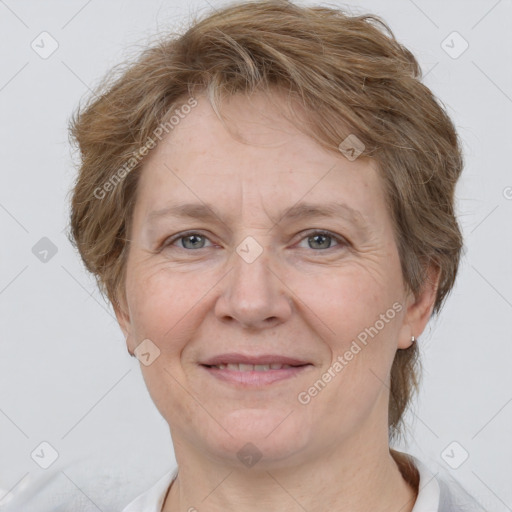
(65, 375)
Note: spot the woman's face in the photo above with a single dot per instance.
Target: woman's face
(218, 273)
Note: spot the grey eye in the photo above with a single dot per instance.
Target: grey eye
(196, 241)
(320, 241)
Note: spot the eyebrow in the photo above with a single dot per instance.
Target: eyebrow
(299, 211)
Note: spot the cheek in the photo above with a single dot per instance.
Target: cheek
(162, 304)
(358, 318)
(342, 303)
(171, 398)
(357, 314)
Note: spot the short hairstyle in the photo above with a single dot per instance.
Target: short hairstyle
(348, 74)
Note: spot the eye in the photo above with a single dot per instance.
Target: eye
(322, 240)
(190, 240)
(316, 240)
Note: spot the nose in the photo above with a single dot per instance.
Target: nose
(254, 293)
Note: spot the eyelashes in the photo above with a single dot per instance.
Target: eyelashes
(319, 237)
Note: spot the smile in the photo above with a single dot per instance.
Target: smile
(251, 367)
(254, 375)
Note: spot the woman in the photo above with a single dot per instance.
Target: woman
(267, 201)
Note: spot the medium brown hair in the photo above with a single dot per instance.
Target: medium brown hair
(349, 75)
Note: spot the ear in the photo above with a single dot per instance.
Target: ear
(419, 309)
(123, 316)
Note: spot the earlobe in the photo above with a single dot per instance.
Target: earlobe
(405, 337)
(419, 310)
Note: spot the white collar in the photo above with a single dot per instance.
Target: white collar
(153, 499)
(428, 489)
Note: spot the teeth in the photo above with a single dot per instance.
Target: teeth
(252, 367)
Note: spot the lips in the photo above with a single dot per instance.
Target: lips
(241, 367)
(255, 363)
(254, 371)
(244, 376)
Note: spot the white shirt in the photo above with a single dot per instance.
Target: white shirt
(434, 494)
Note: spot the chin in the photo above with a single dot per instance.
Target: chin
(264, 434)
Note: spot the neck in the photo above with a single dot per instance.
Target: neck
(377, 480)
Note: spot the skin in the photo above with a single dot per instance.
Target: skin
(298, 298)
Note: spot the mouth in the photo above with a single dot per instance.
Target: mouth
(241, 367)
(250, 371)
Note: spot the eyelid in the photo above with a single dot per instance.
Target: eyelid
(303, 234)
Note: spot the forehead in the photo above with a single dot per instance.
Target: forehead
(266, 125)
(255, 155)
